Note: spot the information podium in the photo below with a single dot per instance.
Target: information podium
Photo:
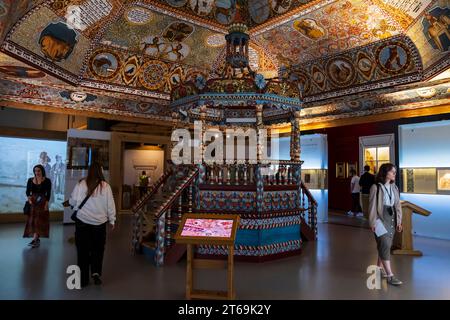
(208, 229)
(403, 241)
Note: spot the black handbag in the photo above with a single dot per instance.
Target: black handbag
(27, 208)
(74, 214)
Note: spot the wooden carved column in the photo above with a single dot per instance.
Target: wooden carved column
(259, 176)
(297, 136)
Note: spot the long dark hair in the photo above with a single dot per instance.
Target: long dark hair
(39, 166)
(95, 177)
(383, 171)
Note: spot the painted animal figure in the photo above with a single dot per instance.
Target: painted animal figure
(227, 12)
(102, 64)
(394, 58)
(281, 3)
(54, 49)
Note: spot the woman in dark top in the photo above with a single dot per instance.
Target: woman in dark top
(38, 193)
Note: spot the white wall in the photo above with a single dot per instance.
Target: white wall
(427, 145)
(142, 157)
(314, 153)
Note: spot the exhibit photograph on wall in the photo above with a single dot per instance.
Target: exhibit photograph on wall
(18, 157)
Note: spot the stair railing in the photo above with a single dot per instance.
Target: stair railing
(139, 208)
(166, 223)
(310, 205)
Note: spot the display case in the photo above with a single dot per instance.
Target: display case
(315, 178)
(426, 180)
(83, 151)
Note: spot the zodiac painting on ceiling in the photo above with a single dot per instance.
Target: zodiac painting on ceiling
(57, 41)
(105, 64)
(159, 47)
(202, 7)
(341, 71)
(393, 57)
(259, 10)
(309, 28)
(170, 45)
(225, 11)
(280, 6)
(436, 27)
(178, 31)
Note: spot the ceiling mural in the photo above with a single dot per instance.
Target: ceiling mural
(86, 16)
(431, 33)
(122, 67)
(165, 38)
(336, 27)
(144, 48)
(223, 12)
(385, 60)
(81, 101)
(47, 35)
(13, 10)
(403, 12)
(410, 97)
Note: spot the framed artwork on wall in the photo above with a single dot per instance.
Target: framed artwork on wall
(351, 166)
(340, 170)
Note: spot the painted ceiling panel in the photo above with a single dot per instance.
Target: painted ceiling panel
(431, 33)
(163, 37)
(334, 28)
(48, 36)
(330, 47)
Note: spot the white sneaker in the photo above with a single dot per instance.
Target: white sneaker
(350, 214)
(360, 215)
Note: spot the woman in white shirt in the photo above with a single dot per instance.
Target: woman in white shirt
(91, 221)
(385, 217)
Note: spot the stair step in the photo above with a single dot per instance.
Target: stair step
(307, 233)
(149, 245)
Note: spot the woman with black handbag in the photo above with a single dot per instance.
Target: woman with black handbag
(94, 206)
(385, 217)
(38, 192)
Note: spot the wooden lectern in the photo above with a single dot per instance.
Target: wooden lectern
(403, 241)
(208, 229)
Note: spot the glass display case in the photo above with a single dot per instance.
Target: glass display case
(426, 180)
(83, 151)
(315, 178)
(376, 156)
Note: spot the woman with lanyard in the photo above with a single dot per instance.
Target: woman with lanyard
(385, 217)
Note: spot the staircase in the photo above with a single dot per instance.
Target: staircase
(158, 214)
(308, 224)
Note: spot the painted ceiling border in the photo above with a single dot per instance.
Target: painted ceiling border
(289, 16)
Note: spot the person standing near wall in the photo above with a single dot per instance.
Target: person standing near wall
(355, 189)
(385, 217)
(366, 181)
(143, 184)
(38, 193)
(91, 221)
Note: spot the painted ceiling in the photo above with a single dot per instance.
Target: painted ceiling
(145, 48)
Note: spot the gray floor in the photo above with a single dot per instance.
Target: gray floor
(332, 268)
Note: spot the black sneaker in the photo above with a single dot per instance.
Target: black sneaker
(393, 281)
(32, 242)
(97, 280)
